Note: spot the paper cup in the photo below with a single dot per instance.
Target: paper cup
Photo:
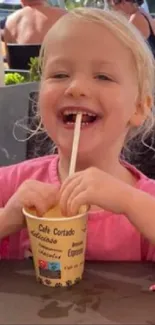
(58, 246)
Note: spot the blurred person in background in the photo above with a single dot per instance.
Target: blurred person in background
(137, 16)
(30, 24)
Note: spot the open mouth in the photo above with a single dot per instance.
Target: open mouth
(69, 117)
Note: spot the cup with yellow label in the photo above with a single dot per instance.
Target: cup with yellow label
(58, 246)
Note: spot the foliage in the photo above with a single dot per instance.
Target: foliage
(71, 4)
(14, 78)
(34, 69)
(32, 75)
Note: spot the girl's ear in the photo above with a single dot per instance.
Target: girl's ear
(142, 112)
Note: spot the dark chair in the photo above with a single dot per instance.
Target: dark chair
(38, 144)
(23, 71)
(19, 55)
(17, 112)
(142, 155)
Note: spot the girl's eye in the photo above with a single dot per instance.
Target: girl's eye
(60, 75)
(102, 77)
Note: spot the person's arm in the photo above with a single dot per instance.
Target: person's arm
(7, 39)
(140, 210)
(8, 28)
(141, 24)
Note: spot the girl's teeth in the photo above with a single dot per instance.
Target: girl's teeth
(69, 117)
(77, 112)
(83, 123)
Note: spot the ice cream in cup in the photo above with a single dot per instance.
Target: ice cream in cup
(58, 246)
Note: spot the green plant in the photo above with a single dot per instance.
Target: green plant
(34, 69)
(15, 78)
(33, 75)
(70, 4)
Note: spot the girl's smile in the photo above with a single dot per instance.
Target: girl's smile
(67, 116)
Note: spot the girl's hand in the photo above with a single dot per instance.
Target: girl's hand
(31, 193)
(93, 187)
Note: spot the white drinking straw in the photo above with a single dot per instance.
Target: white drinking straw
(75, 144)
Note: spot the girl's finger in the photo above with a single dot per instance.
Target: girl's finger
(42, 203)
(47, 190)
(68, 181)
(64, 196)
(77, 202)
(36, 201)
(75, 192)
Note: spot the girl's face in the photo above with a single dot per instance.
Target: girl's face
(87, 70)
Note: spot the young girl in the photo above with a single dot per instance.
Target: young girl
(96, 63)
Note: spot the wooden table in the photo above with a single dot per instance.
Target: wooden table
(110, 293)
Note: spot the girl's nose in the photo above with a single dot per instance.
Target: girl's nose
(78, 88)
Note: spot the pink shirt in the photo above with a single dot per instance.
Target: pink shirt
(110, 237)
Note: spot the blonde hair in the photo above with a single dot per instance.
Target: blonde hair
(131, 38)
